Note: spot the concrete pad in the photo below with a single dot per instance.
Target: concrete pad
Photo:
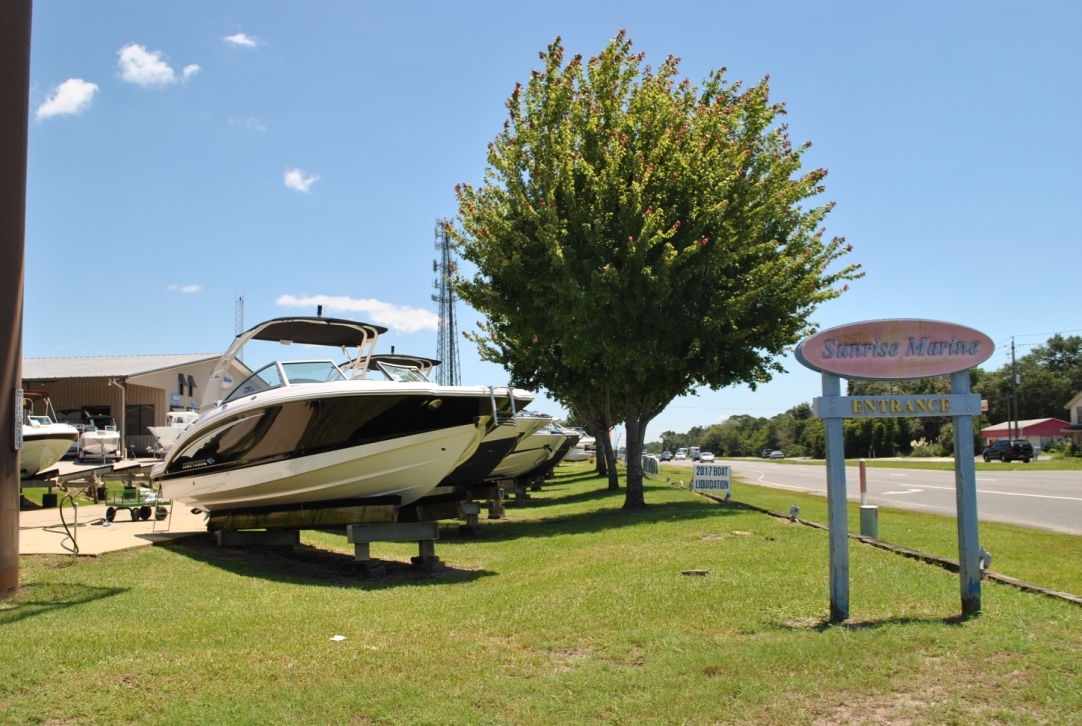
(42, 532)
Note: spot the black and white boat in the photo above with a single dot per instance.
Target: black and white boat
(306, 432)
(515, 422)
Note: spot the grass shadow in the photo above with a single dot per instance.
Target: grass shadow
(602, 519)
(823, 625)
(307, 565)
(42, 598)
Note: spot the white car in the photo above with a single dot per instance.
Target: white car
(680, 457)
(776, 455)
(706, 456)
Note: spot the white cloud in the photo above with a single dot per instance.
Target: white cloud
(147, 68)
(397, 317)
(295, 179)
(252, 124)
(70, 98)
(241, 40)
(186, 288)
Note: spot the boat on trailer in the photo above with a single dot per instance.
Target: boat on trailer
(175, 424)
(312, 432)
(44, 440)
(99, 439)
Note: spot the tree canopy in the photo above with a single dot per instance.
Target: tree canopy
(636, 237)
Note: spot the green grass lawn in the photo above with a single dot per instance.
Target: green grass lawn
(570, 610)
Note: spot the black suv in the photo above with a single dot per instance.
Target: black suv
(1008, 450)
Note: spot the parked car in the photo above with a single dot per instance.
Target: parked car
(1009, 450)
(775, 454)
(765, 453)
(680, 456)
(666, 456)
(705, 456)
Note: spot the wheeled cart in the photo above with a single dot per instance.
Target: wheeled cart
(141, 503)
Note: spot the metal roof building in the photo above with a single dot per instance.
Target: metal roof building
(136, 390)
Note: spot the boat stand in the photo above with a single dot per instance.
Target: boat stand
(361, 536)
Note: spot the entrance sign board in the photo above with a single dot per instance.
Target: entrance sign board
(713, 478)
(895, 349)
(914, 406)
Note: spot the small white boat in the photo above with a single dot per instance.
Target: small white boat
(99, 440)
(584, 449)
(44, 440)
(175, 424)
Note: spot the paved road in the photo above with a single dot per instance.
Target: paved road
(1049, 500)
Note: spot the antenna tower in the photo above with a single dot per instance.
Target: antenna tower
(448, 373)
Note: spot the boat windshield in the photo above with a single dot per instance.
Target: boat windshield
(40, 420)
(403, 374)
(318, 371)
(270, 376)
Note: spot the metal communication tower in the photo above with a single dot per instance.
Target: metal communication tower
(448, 373)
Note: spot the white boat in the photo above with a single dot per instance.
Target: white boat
(44, 440)
(530, 453)
(175, 423)
(584, 449)
(305, 432)
(515, 422)
(100, 439)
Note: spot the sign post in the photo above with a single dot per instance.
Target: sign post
(837, 507)
(965, 489)
(898, 350)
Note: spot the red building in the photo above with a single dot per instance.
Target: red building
(1039, 431)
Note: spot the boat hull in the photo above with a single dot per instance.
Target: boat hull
(165, 436)
(323, 442)
(98, 444)
(408, 467)
(531, 452)
(40, 451)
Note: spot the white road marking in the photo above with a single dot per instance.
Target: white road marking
(905, 491)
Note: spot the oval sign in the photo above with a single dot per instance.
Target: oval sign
(895, 349)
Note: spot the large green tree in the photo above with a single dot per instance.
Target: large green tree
(1048, 376)
(637, 237)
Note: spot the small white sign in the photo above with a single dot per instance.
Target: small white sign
(18, 442)
(712, 478)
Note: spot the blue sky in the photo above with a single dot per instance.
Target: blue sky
(182, 154)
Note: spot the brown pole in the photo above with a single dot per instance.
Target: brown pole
(14, 114)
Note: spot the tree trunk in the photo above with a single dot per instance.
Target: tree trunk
(635, 430)
(607, 461)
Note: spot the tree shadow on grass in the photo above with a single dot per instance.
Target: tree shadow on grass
(604, 518)
(41, 598)
(307, 565)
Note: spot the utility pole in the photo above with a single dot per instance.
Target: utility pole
(15, 18)
(1014, 391)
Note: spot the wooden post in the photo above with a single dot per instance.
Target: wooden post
(15, 18)
(965, 486)
(837, 512)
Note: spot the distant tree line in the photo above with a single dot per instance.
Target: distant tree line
(1047, 378)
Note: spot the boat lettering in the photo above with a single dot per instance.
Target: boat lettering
(197, 464)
